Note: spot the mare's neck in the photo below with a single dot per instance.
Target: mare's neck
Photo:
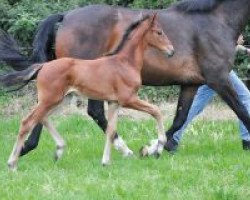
(134, 49)
(236, 14)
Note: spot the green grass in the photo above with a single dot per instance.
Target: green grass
(209, 164)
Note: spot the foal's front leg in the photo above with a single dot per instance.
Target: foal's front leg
(96, 111)
(157, 147)
(110, 131)
(60, 144)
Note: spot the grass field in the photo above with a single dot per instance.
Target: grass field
(209, 164)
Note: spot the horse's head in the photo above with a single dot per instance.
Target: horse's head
(156, 37)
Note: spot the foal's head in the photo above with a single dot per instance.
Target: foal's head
(156, 37)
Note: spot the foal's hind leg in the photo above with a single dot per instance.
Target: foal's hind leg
(137, 104)
(60, 144)
(27, 124)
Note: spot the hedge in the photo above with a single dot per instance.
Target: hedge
(21, 17)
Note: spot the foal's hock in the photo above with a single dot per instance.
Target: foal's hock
(120, 75)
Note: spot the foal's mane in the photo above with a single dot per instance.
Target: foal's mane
(190, 6)
(126, 35)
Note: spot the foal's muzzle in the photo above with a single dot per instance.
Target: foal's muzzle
(169, 52)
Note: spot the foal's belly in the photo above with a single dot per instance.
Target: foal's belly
(93, 94)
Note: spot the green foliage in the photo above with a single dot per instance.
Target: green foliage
(159, 94)
(21, 17)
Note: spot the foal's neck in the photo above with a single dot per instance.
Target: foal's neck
(134, 49)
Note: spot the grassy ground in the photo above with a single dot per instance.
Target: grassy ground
(210, 164)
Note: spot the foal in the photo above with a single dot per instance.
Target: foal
(120, 75)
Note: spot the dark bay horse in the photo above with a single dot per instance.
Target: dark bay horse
(120, 74)
(203, 32)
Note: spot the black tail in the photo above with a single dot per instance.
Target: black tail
(19, 79)
(42, 45)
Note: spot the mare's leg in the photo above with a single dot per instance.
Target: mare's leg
(184, 103)
(137, 104)
(32, 141)
(27, 124)
(110, 132)
(60, 144)
(244, 96)
(96, 111)
(224, 88)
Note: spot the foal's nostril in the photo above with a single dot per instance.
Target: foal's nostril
(171, 53)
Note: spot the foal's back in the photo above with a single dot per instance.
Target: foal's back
(98, 79)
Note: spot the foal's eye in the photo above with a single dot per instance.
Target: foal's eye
(159, 32)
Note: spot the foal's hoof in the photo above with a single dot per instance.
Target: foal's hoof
(105, 163)
(59, 152)
(129, 153)
(12, 166)
(157, 155)
(143, 151)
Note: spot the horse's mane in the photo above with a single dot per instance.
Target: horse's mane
(126, 35)
(189, 6)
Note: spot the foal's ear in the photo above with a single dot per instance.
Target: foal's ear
(153, 17)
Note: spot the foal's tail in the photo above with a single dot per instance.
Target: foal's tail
(42, 45)
(18, 79)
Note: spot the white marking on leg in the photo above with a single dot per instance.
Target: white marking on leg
(26, 125)
(111, 128)
(60, 143)
(121, 146)
(156, 146)
(107, 152)
(12, 161)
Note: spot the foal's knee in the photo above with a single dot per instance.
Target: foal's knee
(156, 112)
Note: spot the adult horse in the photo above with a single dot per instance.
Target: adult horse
(203, 32)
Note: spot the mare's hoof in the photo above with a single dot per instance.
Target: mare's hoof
(246, 145)
(171, 146)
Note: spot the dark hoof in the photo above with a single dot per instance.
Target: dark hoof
(56, 157)
(171, 145)
(246, 145)
(157, 155)
(59, 152)
(105, 164)
(12, 166)
(143, 152)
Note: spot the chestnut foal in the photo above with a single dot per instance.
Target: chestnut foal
(118, 72)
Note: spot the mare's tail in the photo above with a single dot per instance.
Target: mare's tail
(42, 45)
(18, 79)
